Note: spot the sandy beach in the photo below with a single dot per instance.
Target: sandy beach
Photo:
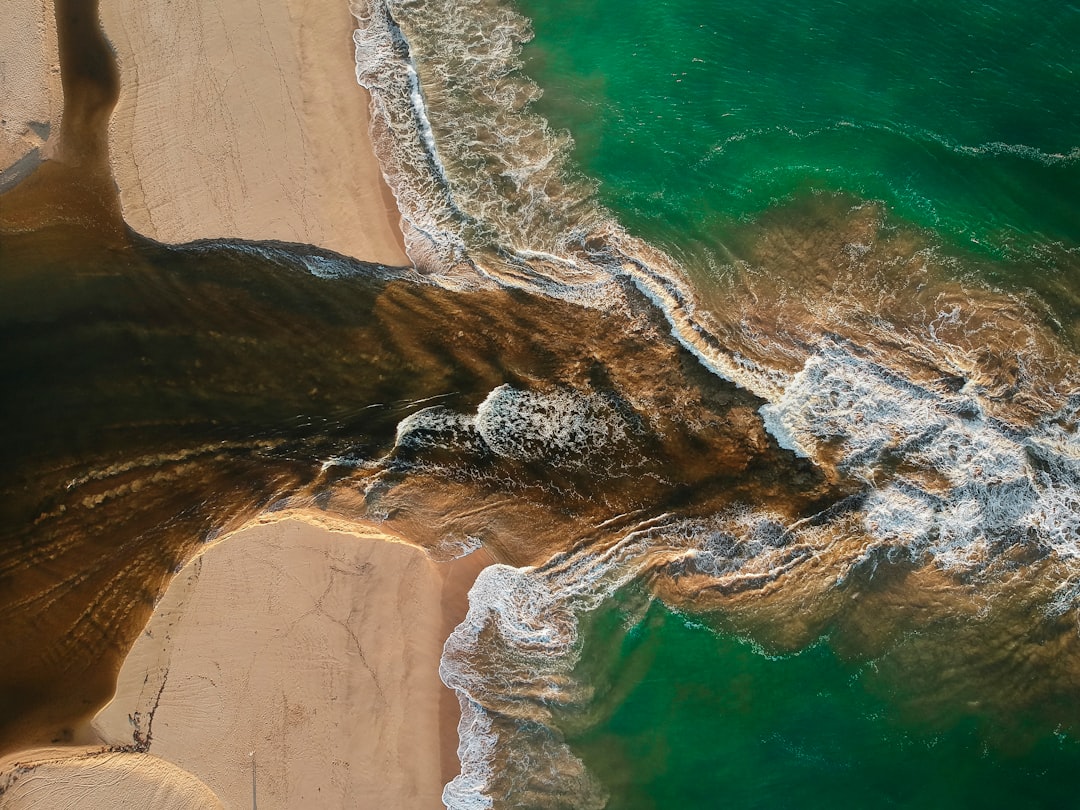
(290, 662)
(307, 654)
(29, 87)
(245, 120)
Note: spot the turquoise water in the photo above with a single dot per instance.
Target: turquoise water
(694, 118)
(832, 185)
(693, 719)
(962, 117)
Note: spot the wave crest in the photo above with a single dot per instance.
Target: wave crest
(947, 410)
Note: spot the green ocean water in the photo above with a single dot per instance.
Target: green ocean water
(688, 718)
(695, 117)
(962, 117)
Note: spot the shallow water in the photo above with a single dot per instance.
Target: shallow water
(876, 208)
(961, 117)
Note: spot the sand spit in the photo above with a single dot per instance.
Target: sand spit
(74, 779)
(301, 658)
(244, 120)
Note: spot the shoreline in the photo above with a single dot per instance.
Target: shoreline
(275, 640)
(457, 578)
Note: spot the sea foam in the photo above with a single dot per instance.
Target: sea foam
(949, 476)
(511, 661)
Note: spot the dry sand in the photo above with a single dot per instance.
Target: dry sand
(244, 119)
(318, 651)
(31, 99)
(63, 778)
(239, 119)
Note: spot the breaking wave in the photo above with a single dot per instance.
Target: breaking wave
(949, 410)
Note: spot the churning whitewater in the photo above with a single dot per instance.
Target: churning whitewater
(947, 410)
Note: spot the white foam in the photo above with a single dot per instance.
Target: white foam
(322, 264)
(329, 267)
(476, 745)
(428, 425)
(965, 483)
(511, 662)
(491, 180)
(559, 424)
(484, 200)
(405, 145)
